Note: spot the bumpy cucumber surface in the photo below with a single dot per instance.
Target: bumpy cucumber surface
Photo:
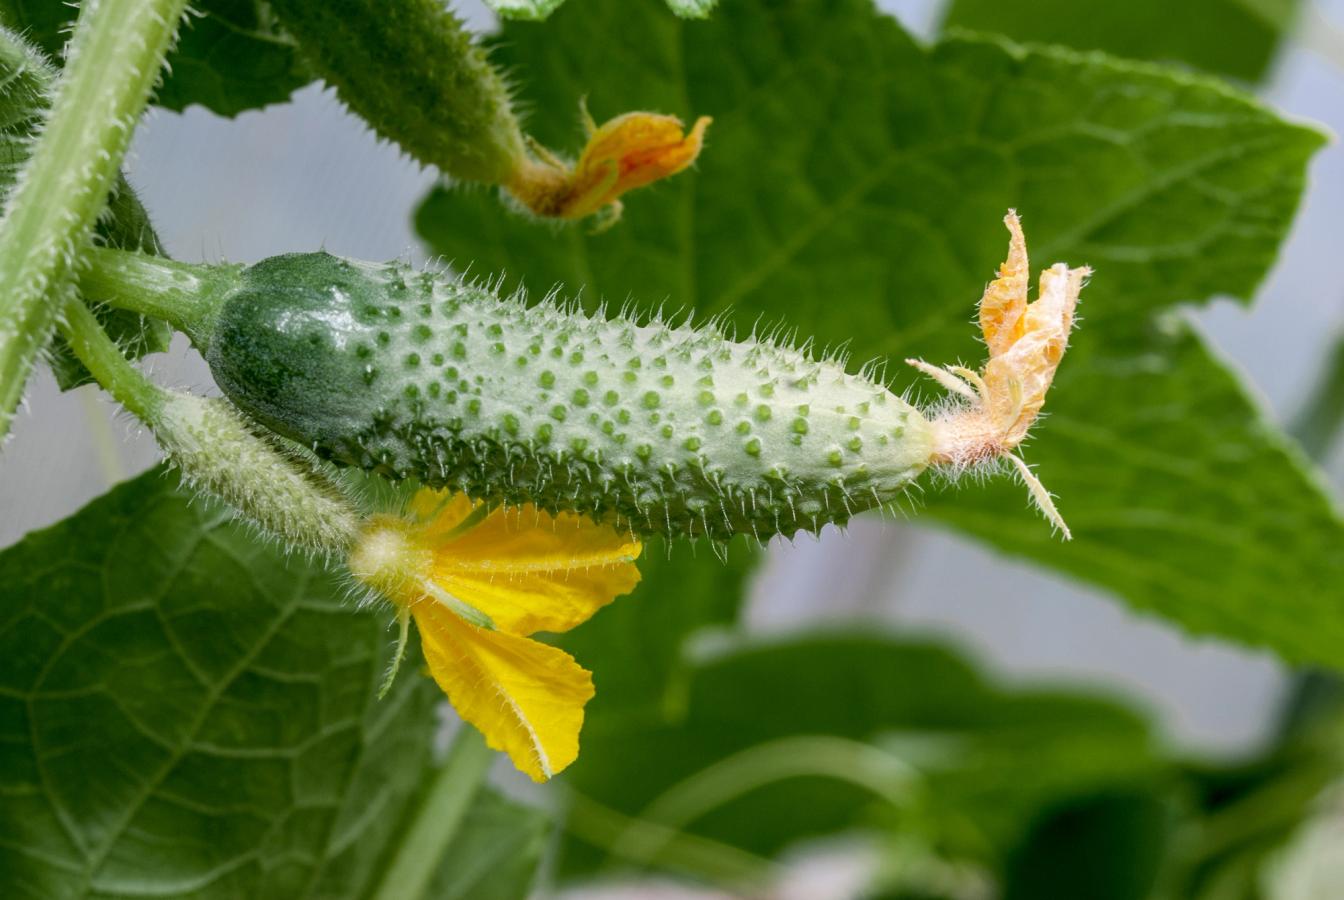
(673, 430)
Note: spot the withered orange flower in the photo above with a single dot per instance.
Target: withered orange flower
(628, 152)
(1026, 342)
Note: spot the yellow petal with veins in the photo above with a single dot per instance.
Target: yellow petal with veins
(524, 569)
(526, 697)
(531, 571)
(630, 151)
(477, 581)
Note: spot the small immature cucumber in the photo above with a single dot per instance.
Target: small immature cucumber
(671, 430)
(415, 74)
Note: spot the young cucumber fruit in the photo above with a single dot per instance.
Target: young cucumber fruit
(671, 430)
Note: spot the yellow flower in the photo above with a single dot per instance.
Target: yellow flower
(628, 152)
(1026, 342)
(477, 582)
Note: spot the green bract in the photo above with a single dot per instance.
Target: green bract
(673, 429)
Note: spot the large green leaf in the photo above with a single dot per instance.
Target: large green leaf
(822, 734)
(229, 57)
(1230, 37)
(232, 58)
(852, 187)
(187, 712)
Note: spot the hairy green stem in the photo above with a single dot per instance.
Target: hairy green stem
(109, 366)
(862, 765)
(438, 820)
(182, 294)
(606, 829)
(114, 59)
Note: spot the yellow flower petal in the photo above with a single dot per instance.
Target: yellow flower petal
(628, 152)
(527, 698)
(521, 568)
(631, 151)
(1026, 343)
(531, 571)
(478, 580)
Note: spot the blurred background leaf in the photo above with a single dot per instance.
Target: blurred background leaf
(636, 647)
(497, 852)
(1107, 846)
(1319, 422)
(1248, 31)
(785, 740)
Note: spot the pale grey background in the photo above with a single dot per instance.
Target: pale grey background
(306, 174)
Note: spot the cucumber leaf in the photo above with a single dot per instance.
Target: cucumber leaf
(185, 711)
(1319, 423)
(635, 647)
(852, 187)
(229, 57)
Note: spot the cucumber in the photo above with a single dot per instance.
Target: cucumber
(417, 76)
(668, 430)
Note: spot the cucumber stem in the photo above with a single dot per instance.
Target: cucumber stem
(101, 356)
(184, 295)
(115, 57)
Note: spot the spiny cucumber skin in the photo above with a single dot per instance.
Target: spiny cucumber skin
(671, 430)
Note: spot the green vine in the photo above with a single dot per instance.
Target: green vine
(114, 60)
(102, 357)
